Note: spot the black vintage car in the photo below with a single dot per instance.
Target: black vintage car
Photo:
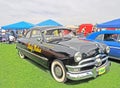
(67, 57)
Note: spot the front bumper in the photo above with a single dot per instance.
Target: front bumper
(92, 73)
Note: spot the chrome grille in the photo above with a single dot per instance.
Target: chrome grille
(94, 61)
(89, 63)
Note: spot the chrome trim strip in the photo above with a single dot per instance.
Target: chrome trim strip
(93, 58)
(80, 66)
(114, 47)
(85, 60)
(32, 53)
(105, 58)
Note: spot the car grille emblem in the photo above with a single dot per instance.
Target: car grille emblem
(98, 62)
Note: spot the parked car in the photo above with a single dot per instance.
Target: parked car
(3, 38)
(65, 55)
(110, 38)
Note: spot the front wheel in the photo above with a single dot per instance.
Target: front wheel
(58, 71)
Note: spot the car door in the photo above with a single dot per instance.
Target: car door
(35, 46)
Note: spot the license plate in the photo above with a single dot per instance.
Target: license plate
(101, 70)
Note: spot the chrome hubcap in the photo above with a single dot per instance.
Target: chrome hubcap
(58, 71)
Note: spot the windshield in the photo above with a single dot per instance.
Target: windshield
(58, 35)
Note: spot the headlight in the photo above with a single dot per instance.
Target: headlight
(77, 57)
(107, 49)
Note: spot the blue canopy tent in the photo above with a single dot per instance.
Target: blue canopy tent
(18, 26)
(110, 24)
(48, 22)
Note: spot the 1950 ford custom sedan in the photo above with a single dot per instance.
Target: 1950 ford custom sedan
(65, 55)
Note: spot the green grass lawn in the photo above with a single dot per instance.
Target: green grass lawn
(21, 73)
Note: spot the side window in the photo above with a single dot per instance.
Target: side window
(28, 34)
(114, 36)
(35, 33)
(111, 37)
(100, 37)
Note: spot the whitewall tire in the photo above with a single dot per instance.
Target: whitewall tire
(21, 55)
(58, 71)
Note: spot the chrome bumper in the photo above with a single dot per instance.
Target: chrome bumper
(92, 73)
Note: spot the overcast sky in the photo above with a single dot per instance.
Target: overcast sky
(66, 12)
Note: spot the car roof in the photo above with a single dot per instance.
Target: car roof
(94, 34)
(49, 28)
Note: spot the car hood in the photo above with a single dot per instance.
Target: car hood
(79, 45)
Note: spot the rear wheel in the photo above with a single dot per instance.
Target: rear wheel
(21, 54)
(58, 71)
